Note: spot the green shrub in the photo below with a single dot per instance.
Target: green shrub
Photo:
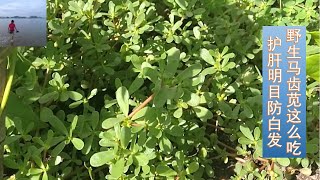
(194, 67)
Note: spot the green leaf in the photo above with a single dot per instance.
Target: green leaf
(151, 74)
(38, 61)
(193, 167)
(178, 113)
(305, 162)
(175, 130)
(52, 96)
(306, 171)
(313, 69)
(182, 4)
(176, 26)
(58, 149)
(122, 96)
(301, 14)
(225, 108)
(33, 171)
(209, 170)
(64, 96)
(146, 169)
(110, 103)
(58, 125)
(31, 78)
(246, 132)
(203, 113)
(11, 139)
(135, 47)
(117, 168)
(87, 145)
(312, 148)
(229, 56)
(75, 104)
(225, 50)
(283, 161)
(45, 114)
(228, 66)
(109, 123)
(45, 175)
(163, 95)
(101, 158)
(142, 138)
(316, 36)
(78, 143)
(235, 112)
(164, 170)
(141, 113)
(118, 83)
(180, 157)
(247, 111)
(136, 84)
(75, 95)
(73, 125)
(38, 161)
(111, 8)
(206, 71)
(258, 152)
(141, 17)
(172, 62)
(257, 133)
(309, 3)
(189, 72)
(93, 93)
(10, 163)
(196, 32)
(243, 140)
(125, 137)
(141, 159)
(205, 55)
(73, 6)
(312, 49)
(250, 56)
(194, 100)
(165, 145)
(203, 153)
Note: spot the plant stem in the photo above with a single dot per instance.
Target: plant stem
(3, 78)
(263, 167)
(234, 150)
(262, 159)
(141, 106)
(280, 5)
(8, 86)
(226, 146)
(4, 98)
(214, 126)
(240, 160)
(44, 156)
(46, 78)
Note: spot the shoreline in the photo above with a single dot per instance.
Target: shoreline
(22, 17)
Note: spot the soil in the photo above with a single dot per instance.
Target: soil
(313, 177)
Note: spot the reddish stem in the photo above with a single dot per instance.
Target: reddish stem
(141, 106)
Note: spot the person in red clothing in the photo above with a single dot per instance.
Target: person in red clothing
(12, 27)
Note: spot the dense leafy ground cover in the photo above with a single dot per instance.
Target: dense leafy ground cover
(194, 69)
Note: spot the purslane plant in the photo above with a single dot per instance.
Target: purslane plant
(151, 90)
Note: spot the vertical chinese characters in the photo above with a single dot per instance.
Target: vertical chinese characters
(284, 96)
(293, 57)
(274, 107)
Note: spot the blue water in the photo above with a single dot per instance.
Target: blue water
(32, 32)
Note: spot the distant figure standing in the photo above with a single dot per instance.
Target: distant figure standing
(12, 27)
